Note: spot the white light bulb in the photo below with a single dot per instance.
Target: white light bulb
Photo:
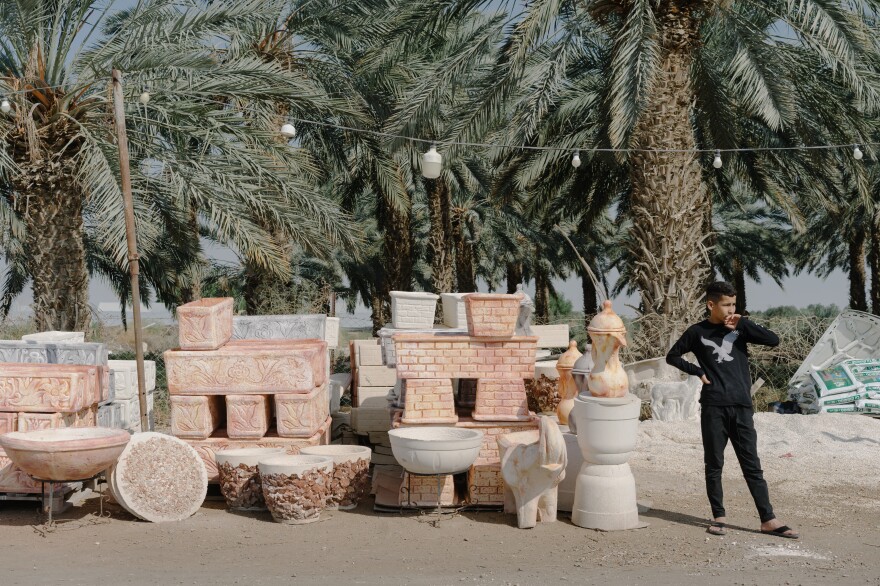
(5, 106)
(145, 97)
(717, 162)
(288, 131)
(432, 163)
(857, 153)
(576, 160)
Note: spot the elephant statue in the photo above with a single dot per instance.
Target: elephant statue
(532, 465)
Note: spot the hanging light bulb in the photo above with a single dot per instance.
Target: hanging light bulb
(145, 96)
(576, 159)
(432, 163)
(5, 106)
(857, 153)
(288, 131)
(717, 162)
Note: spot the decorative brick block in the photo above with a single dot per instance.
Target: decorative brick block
(196, 417)
(248, 416)
(429, 401)
(485, 485)
(429, 356)
(299, 415)
(413, 309)
(8, 422)
(501, 400)
(125, 377)
(421, 491)
(490, 314)
(221, 441)
(376, 376)
(45, 388)
(248, 367)
(205, 324)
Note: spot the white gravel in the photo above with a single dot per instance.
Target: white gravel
(800, 454)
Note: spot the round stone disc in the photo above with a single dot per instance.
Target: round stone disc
(160, 478)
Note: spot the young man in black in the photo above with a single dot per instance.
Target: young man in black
(720, 345)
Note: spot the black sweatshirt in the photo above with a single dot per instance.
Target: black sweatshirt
(723, 357)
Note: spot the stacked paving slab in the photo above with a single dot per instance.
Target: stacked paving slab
(238, 393)
(48, 380)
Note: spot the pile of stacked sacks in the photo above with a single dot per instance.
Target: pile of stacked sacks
(850, 386)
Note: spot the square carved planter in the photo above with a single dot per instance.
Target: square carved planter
(48, 388)
(301, 415)
(491, 315)
(248, 416)
(454, 313)
(205, 324)
(413, 309)
(196, 417)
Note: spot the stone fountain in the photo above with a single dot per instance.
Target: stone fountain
(606, 417)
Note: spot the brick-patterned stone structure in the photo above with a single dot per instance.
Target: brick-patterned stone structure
(500, 364)
(429, 401)
(248, 367)
(221, 441)
(196, 417)
(300, 415)
(205, 324)
(491, 314)
(421, 491)
(248, 416)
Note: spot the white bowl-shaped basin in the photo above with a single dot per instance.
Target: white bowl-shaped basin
(246, 456)
(435, 450)
(340, 453)
(65, 454)
(607, 428)
(294, 465)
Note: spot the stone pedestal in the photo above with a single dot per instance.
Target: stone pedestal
(606, 498)
(429, 401)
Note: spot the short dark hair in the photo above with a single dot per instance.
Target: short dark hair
(719, 289)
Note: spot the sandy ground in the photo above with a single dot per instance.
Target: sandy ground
(840, 524)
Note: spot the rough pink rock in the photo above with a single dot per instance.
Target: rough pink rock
(205, 324)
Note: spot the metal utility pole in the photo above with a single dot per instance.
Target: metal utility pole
(131, 237)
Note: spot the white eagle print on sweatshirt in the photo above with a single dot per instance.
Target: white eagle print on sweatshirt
(722, 352)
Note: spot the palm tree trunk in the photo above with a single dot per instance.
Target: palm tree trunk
(542, 296)
(440, 246)
(397, 260)
(465, 275)
(514, 276)
(874, 259)
(191, 287)
(739, 282)
(857, 276)
(669, 198)
(52, 206)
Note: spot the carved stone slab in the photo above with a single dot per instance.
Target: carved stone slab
(91, 353)
(56, 336)
(39, 421)
(110, 415)
(196, 417)
(8, 422)
(248, 367)
(45, 388)
(248, 416)
(273, 327)
(130, 412)
(14, 479)
(205, 324)
(675, 401)
(221, 441)
(301, 415)
(124, 377)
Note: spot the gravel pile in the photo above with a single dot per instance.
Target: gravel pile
(799, 453)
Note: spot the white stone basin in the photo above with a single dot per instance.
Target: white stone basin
(435, 450)
(65, 454)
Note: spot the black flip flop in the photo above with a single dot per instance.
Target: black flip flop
(719, 529)
(780, 532)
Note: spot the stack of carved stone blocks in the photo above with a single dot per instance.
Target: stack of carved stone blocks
(123, 411)
(229, 394)
(490, 360)
(47, 385)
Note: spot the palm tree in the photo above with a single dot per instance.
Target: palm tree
(195, 153)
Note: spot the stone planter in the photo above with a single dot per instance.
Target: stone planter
(413, 309)
(491, 315)
(435, 450)
(240, 477)
(205, 324)
(296, 488)
(454, 313)
(351, 473)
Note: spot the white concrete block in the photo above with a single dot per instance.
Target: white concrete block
(376, 376)
(124, 377)
(368, 355)
(373, 397)
(331, 332)
(552, 336)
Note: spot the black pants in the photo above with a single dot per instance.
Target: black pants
(719, 424)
